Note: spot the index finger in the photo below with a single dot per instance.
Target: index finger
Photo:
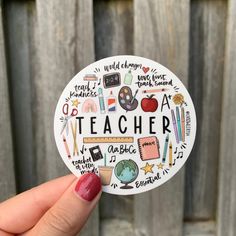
(22, 212)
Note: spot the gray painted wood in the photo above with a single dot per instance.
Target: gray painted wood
(116, 227)
(114, 35)
(207, 35)
(65, 45)
(19, 72)
(113, 21)
(7, 181)
(200, 228)
(162, 34)
(226, 216)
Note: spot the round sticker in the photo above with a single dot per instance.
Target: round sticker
(128, 119)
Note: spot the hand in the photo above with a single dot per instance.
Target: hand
(56, 208)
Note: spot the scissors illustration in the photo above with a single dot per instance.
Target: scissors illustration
(65, 110)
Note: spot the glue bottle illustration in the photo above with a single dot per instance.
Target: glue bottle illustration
(101, 101)
(128, 78)
(111, 103)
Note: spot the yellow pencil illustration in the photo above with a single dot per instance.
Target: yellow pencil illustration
(74, 131)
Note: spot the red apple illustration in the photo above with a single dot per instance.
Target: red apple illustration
(149, 104)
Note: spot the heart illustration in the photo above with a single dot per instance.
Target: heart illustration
(145, 69)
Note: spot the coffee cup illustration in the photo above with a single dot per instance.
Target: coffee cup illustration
(105, 172)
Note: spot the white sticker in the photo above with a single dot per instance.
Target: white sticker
(128, 119)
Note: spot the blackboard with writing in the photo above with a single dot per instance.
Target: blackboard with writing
(111, 80)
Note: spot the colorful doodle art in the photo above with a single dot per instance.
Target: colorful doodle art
(129, 120)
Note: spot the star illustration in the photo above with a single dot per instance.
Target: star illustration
(75, 102)
(160, 166)
(147, 168)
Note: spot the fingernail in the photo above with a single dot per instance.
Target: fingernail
(88, 186)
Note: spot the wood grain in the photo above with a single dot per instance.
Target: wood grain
(226, 216)
(65, 46)
(200, 228)
(207, 34)
(113, 22)
(7, 181)
(19, 75)
(162, 34)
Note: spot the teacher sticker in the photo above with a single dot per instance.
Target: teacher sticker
(129, 120)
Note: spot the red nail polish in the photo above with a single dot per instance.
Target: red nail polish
(88, 186)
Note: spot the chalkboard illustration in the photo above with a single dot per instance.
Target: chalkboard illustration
(126, 171)
(127, 119)
(111, 80)
(127, 100)
(149, 104)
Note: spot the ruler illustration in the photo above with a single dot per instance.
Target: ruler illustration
(108, 140)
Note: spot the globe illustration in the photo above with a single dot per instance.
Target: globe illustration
(126, 171)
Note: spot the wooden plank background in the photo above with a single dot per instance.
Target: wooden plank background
(43, 44)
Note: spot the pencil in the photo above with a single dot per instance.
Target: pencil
(165, 149)
(75, 150)
(155, 90)
(178, 123)
(76, 146)
(183, 123)
(170, 154)
(66, 147)
(174, 125)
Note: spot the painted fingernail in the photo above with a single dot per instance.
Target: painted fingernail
(88, 186)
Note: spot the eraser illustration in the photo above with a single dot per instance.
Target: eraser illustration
(129, 120)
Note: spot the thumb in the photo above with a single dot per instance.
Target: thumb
(71, 211)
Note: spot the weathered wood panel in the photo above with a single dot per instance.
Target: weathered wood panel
(113, 21)
(19, 72)
(114, 35)
(207, 35)
(65, 46)
(7, 181)
(162, 34)
(198, 228)
(226, 217)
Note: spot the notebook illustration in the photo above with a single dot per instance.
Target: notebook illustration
(149, 148)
